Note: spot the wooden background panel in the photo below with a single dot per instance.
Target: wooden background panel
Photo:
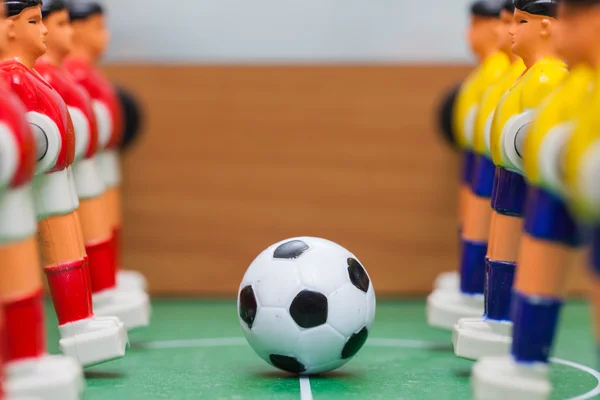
(237, 158)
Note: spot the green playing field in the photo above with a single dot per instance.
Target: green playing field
(196, 350)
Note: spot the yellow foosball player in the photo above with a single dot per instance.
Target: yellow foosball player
(581, 160)
(474, 337)
(448, 303)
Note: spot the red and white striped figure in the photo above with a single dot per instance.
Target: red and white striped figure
(85, 337)
(129, 302)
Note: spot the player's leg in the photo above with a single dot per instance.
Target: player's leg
(126, 280)
(446, 308)
(96, 221)
(476, 229)
(131, 304)
(446, 304)
(29, 370)
(89, 339)
(491, 334)
(133, 122)
(595, 286)
(548, 247)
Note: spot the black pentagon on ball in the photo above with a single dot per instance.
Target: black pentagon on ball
(358, 275)
(309, 309)
(290, 250)
(289, 364)
(248, 306)
(354, 344)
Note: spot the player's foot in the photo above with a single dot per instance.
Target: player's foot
(131, 280)
(474, 338)
(446, 307)
(47, 378)
(501, 378)
(94, 340)
(448, 281)
(132, 307)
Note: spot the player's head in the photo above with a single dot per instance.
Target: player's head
(506, 19)
(532, 25)
(483, 29)
(90, 33)
(577, 31)
(26, 31)
(60, 34)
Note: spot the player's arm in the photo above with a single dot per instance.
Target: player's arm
(537, 88)
(9, 156)
(81, 128)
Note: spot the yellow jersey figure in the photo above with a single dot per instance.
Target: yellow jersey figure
(483, 38)
(582, 183)
(474, 337)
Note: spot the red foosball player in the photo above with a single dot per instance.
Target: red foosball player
(1, 354)
(129, 303)
(30, 371)
(85, 337)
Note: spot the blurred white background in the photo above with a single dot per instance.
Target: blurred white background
(288, 31)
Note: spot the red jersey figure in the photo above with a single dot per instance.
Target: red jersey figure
(89, 185)
(1, 357)
(30, 371)
(130, 303)
(87, 338)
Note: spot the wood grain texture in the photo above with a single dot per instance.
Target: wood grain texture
(237, 158)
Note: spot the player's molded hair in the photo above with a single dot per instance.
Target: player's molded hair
(83, 9)
(509, 6)
(51, 6)
(486, 8)
(545, 8)
(16, 7)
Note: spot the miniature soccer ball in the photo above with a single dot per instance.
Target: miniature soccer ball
(306, 305)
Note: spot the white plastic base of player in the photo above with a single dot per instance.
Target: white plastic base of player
(446, 307)
(94, 340)
(448, 281)
(47, 378)
(132, 307)
(501, 378)
(131, 280)
(474, 338)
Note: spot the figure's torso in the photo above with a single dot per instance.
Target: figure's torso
(74, 96)
(12, 114)
(101, 91)
(559, 108)
(490, 101)
(525, 94)
(469, 96)
(38, 96)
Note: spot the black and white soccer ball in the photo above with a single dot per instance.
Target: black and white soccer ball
(306, 305)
